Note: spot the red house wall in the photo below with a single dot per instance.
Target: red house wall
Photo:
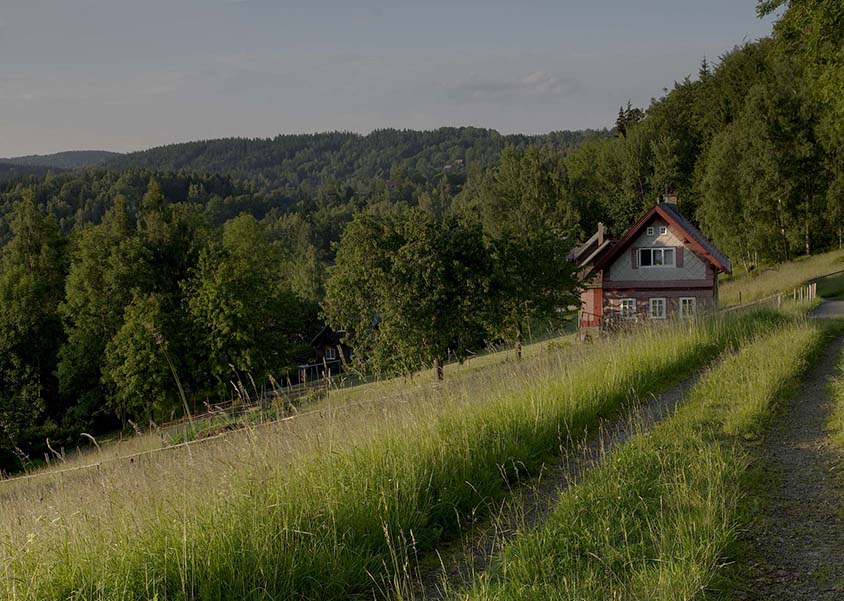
(591, 307)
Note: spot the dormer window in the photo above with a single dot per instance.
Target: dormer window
(657, 257)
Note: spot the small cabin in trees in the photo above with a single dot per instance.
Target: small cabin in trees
(663, 267)
(328, 355)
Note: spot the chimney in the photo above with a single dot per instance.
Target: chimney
(670, 198)
(600, 234)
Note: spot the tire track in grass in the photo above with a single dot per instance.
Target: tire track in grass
(461, 561)
(653, 522)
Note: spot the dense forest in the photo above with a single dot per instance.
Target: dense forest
(288, 163)
(71, 159)
(11, 171)
(156, 281)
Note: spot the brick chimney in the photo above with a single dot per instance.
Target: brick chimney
(600, 234)
(670, 198)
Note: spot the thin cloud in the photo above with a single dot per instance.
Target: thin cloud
(64, 89)
(538, 85)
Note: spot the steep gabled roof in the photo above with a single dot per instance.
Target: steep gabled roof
(587, 260)
(327, 332)
(716, 257)
(694, 238)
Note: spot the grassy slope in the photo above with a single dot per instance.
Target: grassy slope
(650, 523)
(836, 419)
(832, 287)
(780, 278)
(346, 394)
(266, 517)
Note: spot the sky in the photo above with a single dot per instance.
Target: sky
(126, 75)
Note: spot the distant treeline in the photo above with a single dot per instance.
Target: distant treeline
(72, 159)
(12, 171)
(195, 267)
(292, 164)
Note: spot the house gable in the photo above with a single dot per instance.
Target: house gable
(681, 227)
(687, 265)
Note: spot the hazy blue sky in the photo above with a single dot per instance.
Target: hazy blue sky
(129, 74)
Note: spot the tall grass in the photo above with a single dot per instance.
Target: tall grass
(326, 508)
(485, 370)
(653, 520)
(784, 277)
(835, 425)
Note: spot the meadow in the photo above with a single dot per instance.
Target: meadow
(331, 504)
(648, 523)
(340, 395)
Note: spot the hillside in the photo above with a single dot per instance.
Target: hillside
(784, 277)
(289, 161)
(415, 459)
(72, 159)
(10, 171)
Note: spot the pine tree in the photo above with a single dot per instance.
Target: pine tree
(621, 123)
(704, 73)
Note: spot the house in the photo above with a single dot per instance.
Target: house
(329, 354)
(662, 267)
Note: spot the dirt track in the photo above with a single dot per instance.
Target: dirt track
(798, 546)
(829, 308)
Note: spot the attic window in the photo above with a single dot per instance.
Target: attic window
(650, 231)
(663, 230)
(656, 257)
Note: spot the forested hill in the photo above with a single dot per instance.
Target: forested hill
(287, 162)
(10, 171)
(72, 159)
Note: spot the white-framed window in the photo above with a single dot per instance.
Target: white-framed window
(658, 308)
(330, 353)
(688, 306)
(657, 257)
(627, 308)
(650, 231)
(663, 230)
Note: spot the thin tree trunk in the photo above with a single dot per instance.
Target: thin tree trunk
(785, 243)
(808, 245)
(519, 341)
(438, 365)
(783, 235)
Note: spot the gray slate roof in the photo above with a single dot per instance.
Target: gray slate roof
(695, 233)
